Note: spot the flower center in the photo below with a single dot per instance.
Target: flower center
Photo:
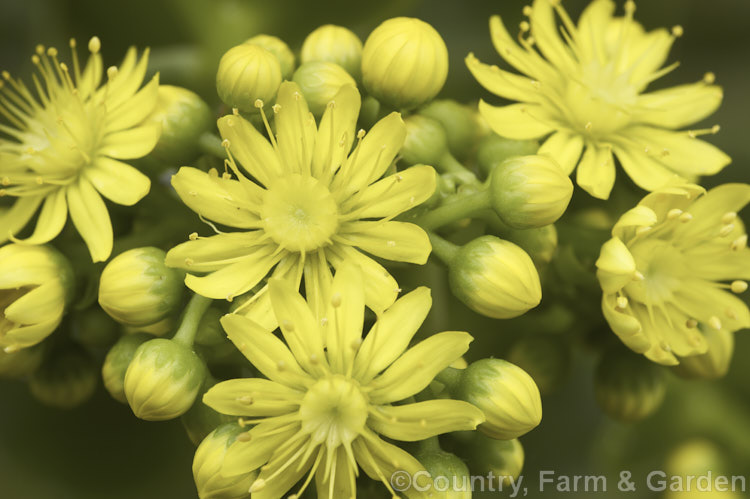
(663, 268)
(334, 411)
(299, 213)
(599, 103)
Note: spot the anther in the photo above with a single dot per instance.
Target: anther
(726, 230)
(715, 129)
(527, 10)
(276, 108)
(731, 313)
(95, 44)
(588, 126)
(244, 437)
(638, 276)
(714, 322)
(336, 300)
(235, 112)
(622, 302)
(738, 287)
(729, 217)
(324, 321)
(52, 52)
(361, 134)
(390, 244)
(230, 298)
(686, 217)
(524, 26)
(287, 324)
(188, 261)
(193, 236)
(258, 103)
(709, 78)
(6, 181)
(691, 323)
(257, 486)
(72, 43)
(111, 72)
(677, 31)
(226, 176)
(642, 230)
(225, 143)
(629, 7)
(739, 243)
(665, 346)
(674, 213)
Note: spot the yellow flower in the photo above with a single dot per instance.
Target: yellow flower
(330, 392)
(585, 89)
(64, 145)
(35, 286)
(308, 206)
(666, 271)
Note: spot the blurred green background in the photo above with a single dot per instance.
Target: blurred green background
(101, 451)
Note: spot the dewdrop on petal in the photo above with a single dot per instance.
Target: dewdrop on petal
(330, 43)
(247, 73)
(319, 82)
(627, 386)
(67, 378)
(495, 278)
(136, 287)
(208, 461)
(444, 466)
(117, 361)
(529, 191)
(280, 49)
(184, 117)
(503, 458)
(163, 380)
(404, 63)
(505, 393)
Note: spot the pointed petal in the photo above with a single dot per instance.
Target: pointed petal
(679, 106)
(250, 148)
(15, 218)
(517, 121)
(643, 168)
(393, 194)
(345, 316)
(287, 466)
(51, 219)
(336, 132)
(414, 422)
(295, 129)
(207, 254)
(545, 31)
(417, 367)
(244, 457)
(528, 62)
(26, 336)
(615, 266)
(42, 303)
(344, 485)
(129, 77)
(596, 171)
(132, 143)
(91, 219)
(565, 148)
(380, 460)
(136, 109)
(381, 288)
(397, 241)
(118, 181)
(502, 83)
(708, 210)
(252, 397)
(624, 325)
(318, 282)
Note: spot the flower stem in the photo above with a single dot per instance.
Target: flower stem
(210, 144)
(464, 206)
(449, 164)
(194, 311)
(449, 377)
(431, 444)
(445, 250)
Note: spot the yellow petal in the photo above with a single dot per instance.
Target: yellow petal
(244, 457)
(317, 282)
(417, 367)
(708, 210)
(615, 266)
(252, 397)
(517, 121)
(344, 478)
(132, 143)
(345, 315)
(679, 106)
(51, 219)
(398, 241)
(43, 303)
(381, 288)
(118, 181)
(295, 129)
(121, 88)
(393, 194)
(134, 110)
(265, 351)
(502, 83)
(596, 171)
(207, 254)
(91, 219)
(545, 31)
(643, 168)
(526, 61)
(413, 422)
(565, 148)
(250, 148)
(336, 132)
(624, 325)
(15, 218)
(26, 336)
(631, 220)
(592, 29)
(287, 466)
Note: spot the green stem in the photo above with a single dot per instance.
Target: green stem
(210, 144)
(445, 250)
(449, 164)
(191, 319)
(431, 444)
(450, 377)
(464, 206)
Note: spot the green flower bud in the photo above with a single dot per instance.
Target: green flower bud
(425, 141)
(713, 364)
(545, 357)
(335, 44)
(247, 73)
(503, 458)
(37, 286)
(539, 242)
(494, 149)
(505, 393)
(404, 62)
(210, 333)
(495, 278)
(459, 122)
(67, 379)
(163, 380)
(320, 82)
(208, 461)
(201, 420)
(280, 49)
(117, 361)
(94, 328)
(450, 475)
(138, 289)
(529, 191)
(22, 362)
(629, 387)
(184, 117)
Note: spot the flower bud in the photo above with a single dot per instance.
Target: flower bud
(208, 461)
(545, 357)
(404, 62)
(494, 149)
(163, 380)
(67, 379)
(335, 44)
(425, 141)
(22, 362)
(459, 122)
(247, 73)
(627, 386)
(94, 328)
(449, 474)
(184, 117)
(36, 284)
(529, 191)
(280, 49)
(117, 361)
(320, 82)
(503, 458)
(201, 420)
(505, 393)
(138, 289)
(713, 364)
(539, 242)
(495, 278)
